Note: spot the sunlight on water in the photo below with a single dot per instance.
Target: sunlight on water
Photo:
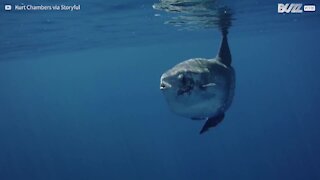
(118, 24)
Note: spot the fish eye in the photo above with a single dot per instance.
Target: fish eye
(183, 79)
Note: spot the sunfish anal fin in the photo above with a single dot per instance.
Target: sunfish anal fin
(212, 122)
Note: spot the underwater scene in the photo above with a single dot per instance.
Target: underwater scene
(159, 89)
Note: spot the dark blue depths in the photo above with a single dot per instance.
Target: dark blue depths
(98, 113)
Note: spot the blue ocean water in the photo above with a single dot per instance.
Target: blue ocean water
(80, 98)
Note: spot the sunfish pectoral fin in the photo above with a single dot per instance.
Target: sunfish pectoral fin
(212, 122)
(208, 85)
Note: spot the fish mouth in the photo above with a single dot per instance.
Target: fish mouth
(164, 85)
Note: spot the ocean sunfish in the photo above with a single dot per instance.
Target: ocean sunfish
(201, 89)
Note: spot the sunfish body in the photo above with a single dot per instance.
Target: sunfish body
(201, 88)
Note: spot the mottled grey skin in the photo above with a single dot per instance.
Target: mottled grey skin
(201, 88)
(212, 88)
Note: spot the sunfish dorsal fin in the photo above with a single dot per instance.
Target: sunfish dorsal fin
(224, 55)
(224, 23)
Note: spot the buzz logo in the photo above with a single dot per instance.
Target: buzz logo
(289, 8)
(295, 8)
